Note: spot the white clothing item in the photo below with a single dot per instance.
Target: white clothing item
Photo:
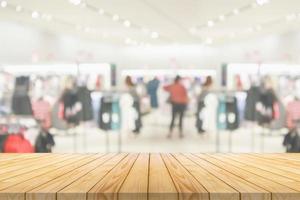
(210, 113)
(128, 113)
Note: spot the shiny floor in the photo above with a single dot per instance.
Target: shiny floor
(153, 138)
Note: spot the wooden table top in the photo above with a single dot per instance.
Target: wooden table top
(150, 176)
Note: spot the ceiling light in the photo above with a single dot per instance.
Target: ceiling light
(127, 23)
(262, 2)
(19, 8)
(222, 17)
(35, 15)
(101, 11)
(3, 4)
(236, 11)
(154, 35)
(75, 2)
(210, 23)
(116, 18)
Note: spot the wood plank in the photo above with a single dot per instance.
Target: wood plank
(48, 189)
(217, 189)
(264, 173)
(187, 186)
(4, 184)
(18, 191)
(110, 185)
(78, 190)
(161, 185)
(135, 186)
(34, 167)
(248, 162)
(15, 166)
(246, 189)
(278, 191)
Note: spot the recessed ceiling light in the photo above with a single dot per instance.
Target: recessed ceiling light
(222, 17)
(210, 23)
(75, 2)
(35, 15)
(101, 11)
(262, 2)
(154, 35)
(127, 23)
(116, 18)
(236, 11)
(3, 4)
(18, 8)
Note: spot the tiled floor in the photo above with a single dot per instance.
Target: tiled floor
(153, 139)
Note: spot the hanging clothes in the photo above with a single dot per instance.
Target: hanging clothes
(44, 142)
(128, 113)
(152, 88)
(57, 121)
(105, 113)
(84, 97)
(228, 113)
(292, 141)
(265, 107)
(72, 107)
(232, 113)
(200, 107)
(109, 114)
(16, 143)
(2, 142)
(209, 113)
(293, 114)
(42, 112)
(253, 96)
(222, 119)
(21, 104)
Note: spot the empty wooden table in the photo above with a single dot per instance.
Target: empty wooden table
(149, 176)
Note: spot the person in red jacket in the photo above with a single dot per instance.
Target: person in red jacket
(179, 101)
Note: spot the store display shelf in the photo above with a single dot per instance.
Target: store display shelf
(150, 176)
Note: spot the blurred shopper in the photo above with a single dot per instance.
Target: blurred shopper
(206, 87)
(179, 100)
(136, 104)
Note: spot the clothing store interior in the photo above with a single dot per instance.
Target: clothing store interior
(86, 76)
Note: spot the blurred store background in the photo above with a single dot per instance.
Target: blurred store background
(109, 76)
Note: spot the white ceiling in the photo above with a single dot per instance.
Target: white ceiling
(175, 21)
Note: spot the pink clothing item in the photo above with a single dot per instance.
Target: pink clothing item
(42, 112)
(292, 114)
(178, 93)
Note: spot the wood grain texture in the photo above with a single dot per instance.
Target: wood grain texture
(149, 176)
(161, 185)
